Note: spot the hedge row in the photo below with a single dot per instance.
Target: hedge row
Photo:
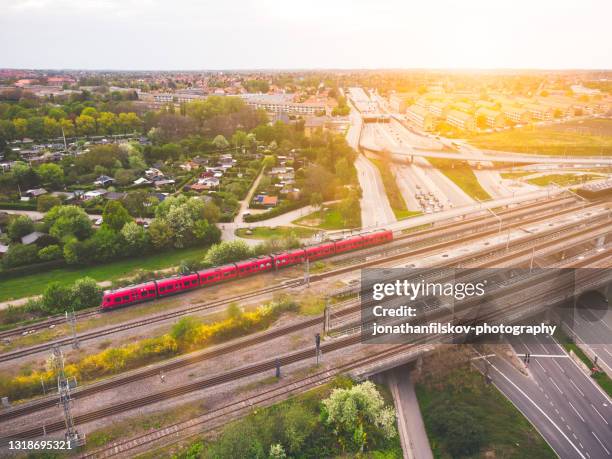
(31, 269)
(18, 205)
(283, 208)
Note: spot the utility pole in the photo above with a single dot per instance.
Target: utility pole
(63, 389)
(326, 316)
(71, 321)
(307, 273)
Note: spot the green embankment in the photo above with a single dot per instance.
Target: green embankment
(466, 417)
(462, 174)
(35, 284)
(398, 205)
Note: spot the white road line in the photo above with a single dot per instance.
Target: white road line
(607, 352)
(576, 411)
(602, 445)
(540, 410)
(546, 356)
(560, 368)
(538, 362)
(604, 419)
(558, 388)
(577, 388)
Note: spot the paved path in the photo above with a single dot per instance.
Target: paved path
(410, 422)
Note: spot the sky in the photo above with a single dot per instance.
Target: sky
(289, 34)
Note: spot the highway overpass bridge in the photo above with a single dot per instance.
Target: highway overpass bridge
(482, 157)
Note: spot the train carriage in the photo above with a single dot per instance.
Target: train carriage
(292, 257)
(217, 274)
(173, 285)
(253, 266)
(376, 238)
(346, 245)
(327, 249)
(129, 295)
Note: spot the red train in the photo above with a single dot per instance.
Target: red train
(177, 284)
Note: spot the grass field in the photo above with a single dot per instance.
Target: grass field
(563, 179)
(463, 175)
(466, 396)
(329, 219)
(266, 232)
(591, 138)
(604, 381)
(398, 205)
(34, 284)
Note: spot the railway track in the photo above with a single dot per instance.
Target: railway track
(231, 410)
(394, 255)
(426, 236)
(234, 346)
(249, 370)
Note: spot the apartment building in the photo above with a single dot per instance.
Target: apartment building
(493, 118)
(539, 112)
(516, 114)
(439, 109)
(399, 102)
(461, 120)
(283, 103)
(420, 117)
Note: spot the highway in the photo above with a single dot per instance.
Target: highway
(375, 207)
(564, 404)
(516, 158)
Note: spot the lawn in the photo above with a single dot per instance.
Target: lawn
(462, 174)
(463, 395)
(266, 232)
(35, 284)
(514, 175)
(564, 139)
(563, 179)
(604, 381)
(398, 205)
(329, 219)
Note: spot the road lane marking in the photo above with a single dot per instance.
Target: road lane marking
(576, 411)
(558, 388)
(577, 388)
(604, 419)
(602, 445)
(560, 368)
(538, 362)
(540, 410)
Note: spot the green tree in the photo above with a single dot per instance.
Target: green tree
(136, 237)
(107, 122)
(20, 255)
(65, 221)
(85, 293)
(57, 297)
(115, 215)
(356, 411)
(160, 233)
(316, 200)
(220, 142)
(51, 252)
(46, 202)
(51, 175)
(228, 251)
(463, 434)
(85, 125)
(19, 227)
(124, 177)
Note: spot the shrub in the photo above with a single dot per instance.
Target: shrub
(51, 252)
(20, 255)
(226, 252)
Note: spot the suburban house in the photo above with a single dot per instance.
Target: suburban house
(31, 238)
(35, 192)
(104, 180)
